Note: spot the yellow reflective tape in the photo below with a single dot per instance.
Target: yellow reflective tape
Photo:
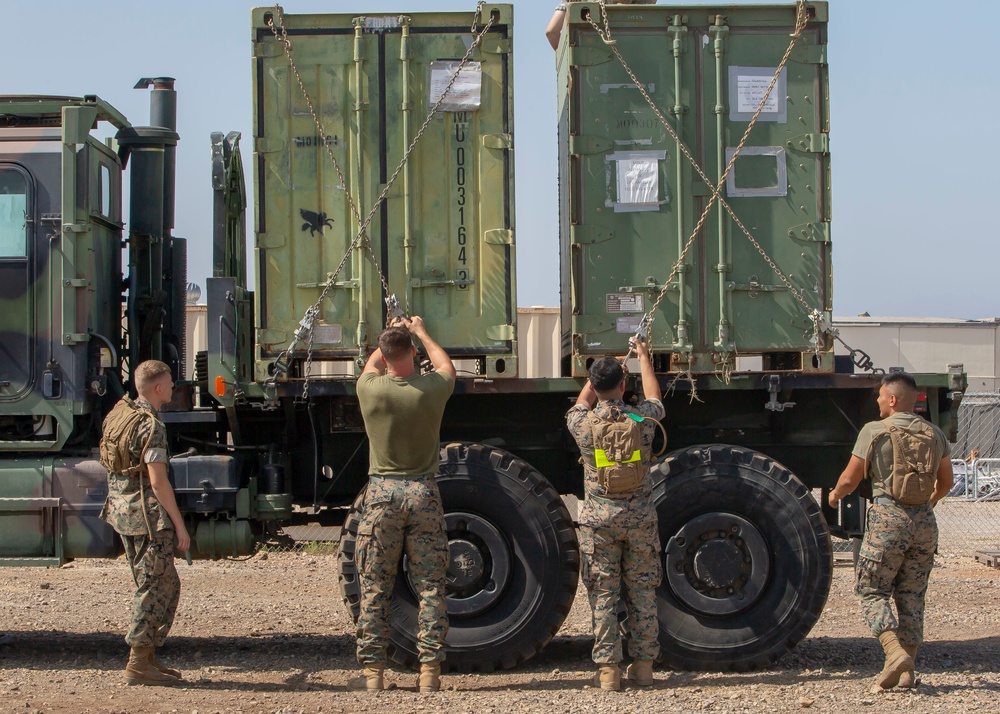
(601, 459)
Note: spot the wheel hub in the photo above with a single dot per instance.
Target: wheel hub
(479, 564)
(717, 564)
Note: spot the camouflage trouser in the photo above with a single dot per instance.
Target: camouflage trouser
(157, 587)
(401, 514)
(895, 561)
(613, 557)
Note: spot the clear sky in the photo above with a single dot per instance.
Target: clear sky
(914, 97)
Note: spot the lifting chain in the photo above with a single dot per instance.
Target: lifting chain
(801, 19)
(305, 331)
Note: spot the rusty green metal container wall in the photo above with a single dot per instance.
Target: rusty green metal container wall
(630, 200)
(444, 236)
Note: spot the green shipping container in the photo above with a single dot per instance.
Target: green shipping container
(630, 200)
(444, 236)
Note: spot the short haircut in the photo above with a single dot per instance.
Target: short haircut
(148, 372)
(895, 380)
(902, 386)
(395, 343)
(606, 374)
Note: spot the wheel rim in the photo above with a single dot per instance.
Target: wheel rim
(479, 565)
(718, 564)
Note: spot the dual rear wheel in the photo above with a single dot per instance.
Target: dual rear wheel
(745, 552)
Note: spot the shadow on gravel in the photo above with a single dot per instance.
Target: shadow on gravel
(58, 650)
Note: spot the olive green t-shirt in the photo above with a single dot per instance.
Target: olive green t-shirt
(880, 465)
(403, 421)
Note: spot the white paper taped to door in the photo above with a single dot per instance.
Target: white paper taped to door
(639, 177)
(465, 94)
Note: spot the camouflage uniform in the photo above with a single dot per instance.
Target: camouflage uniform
(402, 510)
(150, 556)
(897, 552)
(620, 543)
(401, 513)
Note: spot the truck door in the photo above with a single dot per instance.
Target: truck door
(15, 296)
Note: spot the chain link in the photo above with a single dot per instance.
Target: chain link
(801, 19)
(283, 362)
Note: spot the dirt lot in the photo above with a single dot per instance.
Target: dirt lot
(271, 635)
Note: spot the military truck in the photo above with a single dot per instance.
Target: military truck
(383, 183)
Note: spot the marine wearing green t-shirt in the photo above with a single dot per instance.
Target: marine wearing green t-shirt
(897, 551)
(402, 510)
(880, 459)
(403, 421)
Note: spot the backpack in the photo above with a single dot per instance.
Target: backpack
(117, 436)
(618, 452)
(914, 463)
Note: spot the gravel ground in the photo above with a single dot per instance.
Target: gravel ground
(271, 635)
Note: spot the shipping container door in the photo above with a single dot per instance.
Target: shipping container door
(778, 186)
(630, 189)
(16, 297)
(304, 223)
(449, 233)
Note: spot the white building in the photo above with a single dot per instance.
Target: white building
(916, 344)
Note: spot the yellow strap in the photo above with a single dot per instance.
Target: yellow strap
(601, 459)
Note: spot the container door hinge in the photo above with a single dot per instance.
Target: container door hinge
(810, 143)
(500, 333)
(266, 49)
(76, 283)
(264, 145)
(582, 145)
(499, 236)
(76, 228)
(590, 234)
(269, 241)
(498, 141)
(816, 232)
(590, 56)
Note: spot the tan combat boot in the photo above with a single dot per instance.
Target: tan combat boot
(430, 677)
(897, 660)
(372, 679)
(162, 667)
(608, 678)
(640, 672)
(140, 669)
(908, 679)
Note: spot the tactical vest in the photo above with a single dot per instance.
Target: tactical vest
(914, 463)
(117, 436)
(618, 452)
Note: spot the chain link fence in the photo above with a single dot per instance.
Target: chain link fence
(969, 518)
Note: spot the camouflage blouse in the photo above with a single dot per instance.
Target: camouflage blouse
(123, 510)
(635, 509)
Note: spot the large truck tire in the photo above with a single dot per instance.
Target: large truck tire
(747, 558)
(514, 563)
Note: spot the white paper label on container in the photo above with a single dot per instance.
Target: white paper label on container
(747, 87)
(637, 177)
(465, 94)
(624, 302)
(750, 92)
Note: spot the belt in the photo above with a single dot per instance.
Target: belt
(401, 477)
(890, 501)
